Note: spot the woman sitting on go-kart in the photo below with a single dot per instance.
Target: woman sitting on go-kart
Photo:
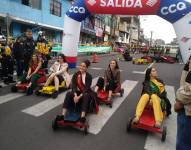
(59, 74)
(81, 95)
(154, 90)
(111, 80)
(33, 74)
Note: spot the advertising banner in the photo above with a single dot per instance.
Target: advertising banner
(126, 7)
(173, 10)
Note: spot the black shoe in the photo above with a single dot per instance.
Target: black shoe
(55, 94)
(82, 119)
(60, 117)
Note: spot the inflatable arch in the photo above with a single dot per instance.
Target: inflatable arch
(178, 12)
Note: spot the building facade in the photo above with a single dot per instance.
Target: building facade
(44, 15)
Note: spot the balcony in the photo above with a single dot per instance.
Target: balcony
(87, 27)
(123, 27)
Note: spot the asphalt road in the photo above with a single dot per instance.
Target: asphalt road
(21, 131)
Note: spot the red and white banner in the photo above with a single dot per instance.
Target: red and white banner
(123, 7)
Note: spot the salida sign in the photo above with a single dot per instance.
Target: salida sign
(134, 7)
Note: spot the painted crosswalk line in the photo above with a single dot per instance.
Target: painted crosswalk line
(10, 97)
(140, 72)
(97, 121)
(153, 141)
(47, 105)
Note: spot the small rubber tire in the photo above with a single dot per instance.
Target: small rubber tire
(129, 125)
(54, 125)
(37, 93)
(14, 89)
(121, 92)
(164, 133)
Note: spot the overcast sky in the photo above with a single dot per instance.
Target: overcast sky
(160, 27)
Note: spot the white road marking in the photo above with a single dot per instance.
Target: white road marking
(140, 72)
(153, 141)
(97, 121)
(10, 97)
(47, 105)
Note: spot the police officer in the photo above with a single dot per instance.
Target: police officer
(28, 47)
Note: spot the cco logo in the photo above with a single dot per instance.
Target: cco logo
(173, 8)
(77, 9)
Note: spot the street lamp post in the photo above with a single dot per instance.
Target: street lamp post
(151, 39)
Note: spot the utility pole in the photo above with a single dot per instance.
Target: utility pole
(7, 28)
(151, 39)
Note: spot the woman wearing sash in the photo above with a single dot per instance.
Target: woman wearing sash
(80, 96)
(154, 90)
(59, 73)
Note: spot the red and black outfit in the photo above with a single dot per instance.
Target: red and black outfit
(79, 87)
(34, 77)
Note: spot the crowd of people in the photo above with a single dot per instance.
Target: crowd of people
(20, 53)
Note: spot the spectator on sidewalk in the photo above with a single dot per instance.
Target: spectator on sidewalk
(183, 108)
(7, 63)
(18, 56)
(28, 47)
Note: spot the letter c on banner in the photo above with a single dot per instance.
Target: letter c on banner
(172, 8)
(164, 10)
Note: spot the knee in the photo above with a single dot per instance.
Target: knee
(154, 97)
(145, 95)
(51, 76)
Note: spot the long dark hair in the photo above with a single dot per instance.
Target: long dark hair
(31, 62)
(87, 62)
(116, 67)
(63, 57)
(148, 72)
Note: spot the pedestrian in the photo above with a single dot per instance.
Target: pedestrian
(183, 109)
(42, 47)
(7, 63)
(29, 48)
(18, 56)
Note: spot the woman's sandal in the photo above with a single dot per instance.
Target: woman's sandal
(136, 120)
(158, 124)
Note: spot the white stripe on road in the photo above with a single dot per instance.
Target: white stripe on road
(153, 141)
(47, 105)
(10, 97)
(97, 122)
(139, 72)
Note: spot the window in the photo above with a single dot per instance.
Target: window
(55, 7)
(32, 3)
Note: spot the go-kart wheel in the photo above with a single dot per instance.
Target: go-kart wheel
(121, 92)
(129, 125)
(14, 88)
(164, 132)
(111, 104)
(85, 130)
(37, 93)
(54, 125)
